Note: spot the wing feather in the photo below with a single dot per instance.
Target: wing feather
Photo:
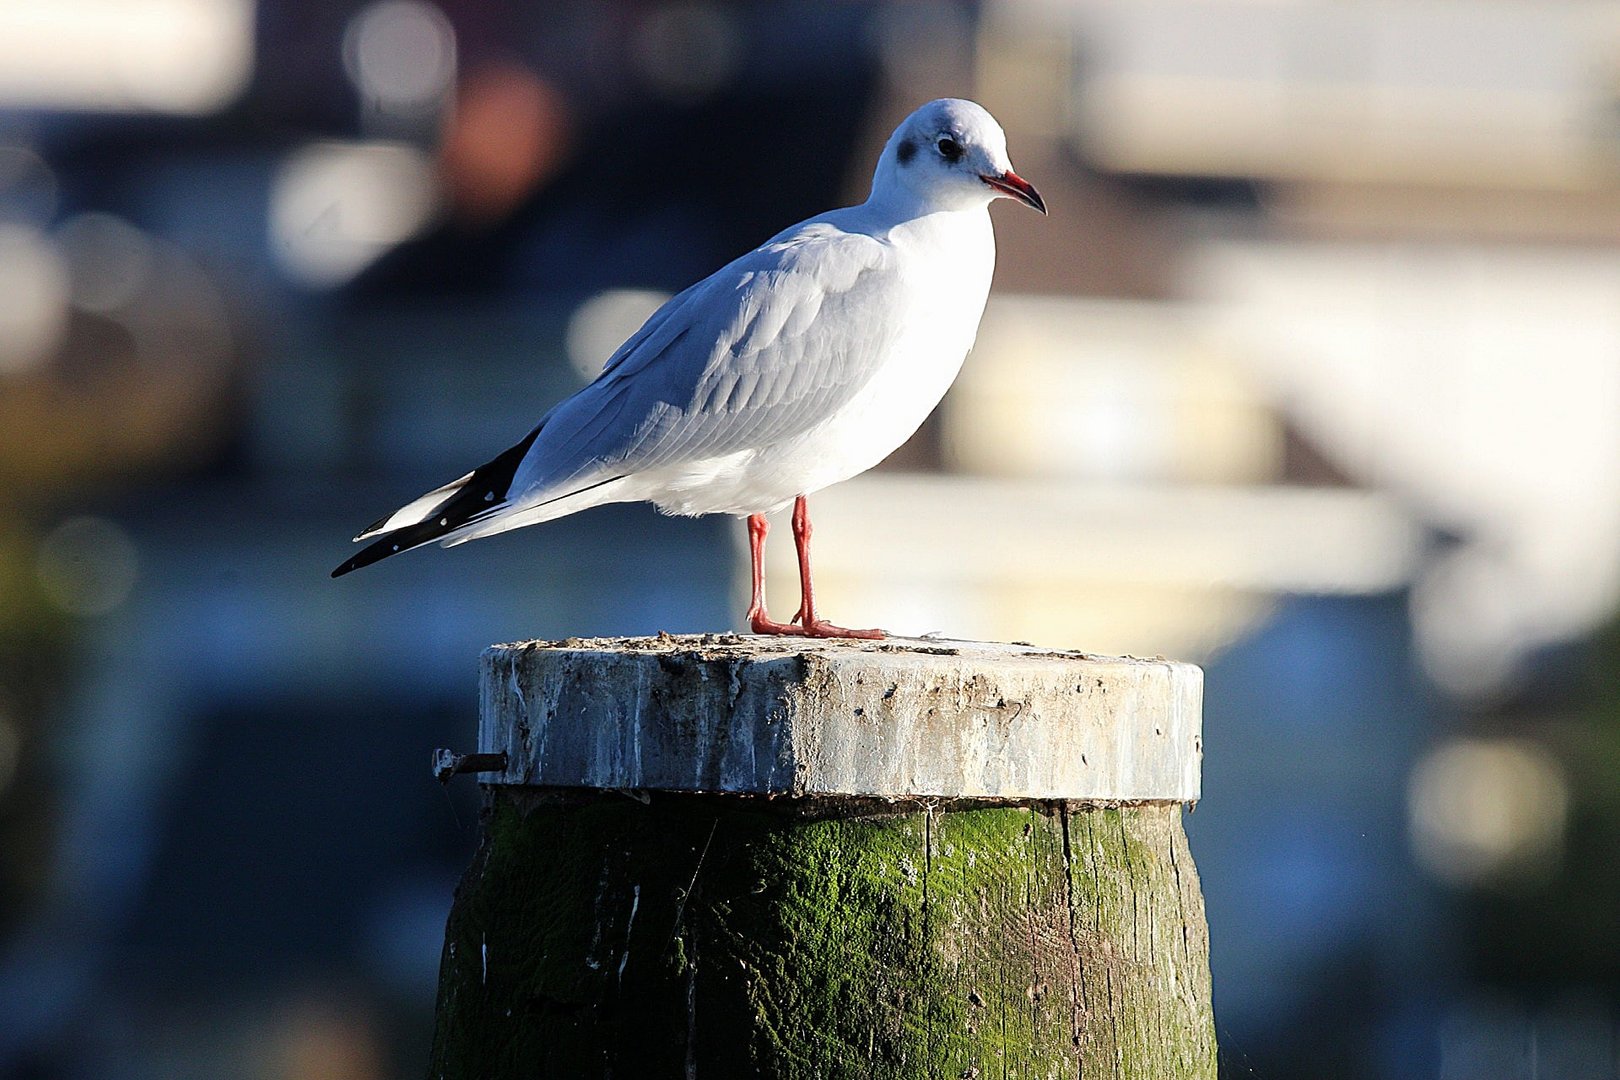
(762, 350)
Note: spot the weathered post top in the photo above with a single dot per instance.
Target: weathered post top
(901, 718)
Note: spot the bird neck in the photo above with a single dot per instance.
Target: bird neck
(894, 199)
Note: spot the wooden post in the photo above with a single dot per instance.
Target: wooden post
(727, 856)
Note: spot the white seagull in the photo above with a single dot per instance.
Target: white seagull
(803, 363)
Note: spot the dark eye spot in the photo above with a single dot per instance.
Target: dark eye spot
(950, 149)
(905, 151)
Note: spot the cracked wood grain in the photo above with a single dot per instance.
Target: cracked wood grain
(1031, 941)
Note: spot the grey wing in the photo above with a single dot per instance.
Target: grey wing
(762, 350)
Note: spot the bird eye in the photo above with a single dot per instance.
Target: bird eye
(950, 149)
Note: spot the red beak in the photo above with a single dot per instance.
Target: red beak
(1014, 186)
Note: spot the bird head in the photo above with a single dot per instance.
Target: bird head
(951, 155)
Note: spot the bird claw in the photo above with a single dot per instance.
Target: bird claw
(761, 623)
(818, 628)
(821, 628)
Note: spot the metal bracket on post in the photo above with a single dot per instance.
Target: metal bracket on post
(448, 763)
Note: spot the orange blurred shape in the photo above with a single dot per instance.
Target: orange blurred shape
(319, 1040)
(507, 134)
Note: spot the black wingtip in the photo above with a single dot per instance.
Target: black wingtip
(411, 536)
(365, 559)
(493, 479)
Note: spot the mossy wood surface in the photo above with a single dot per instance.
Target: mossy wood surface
(704, 936)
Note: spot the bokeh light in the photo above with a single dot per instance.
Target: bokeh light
(109, 261)
(88, 565)
(401, 56)
(33, 298)
(687, 51)
(1486, 810)
(337, 206)
(181, 56)
(604, 322)
(507, 134)
(28, 187)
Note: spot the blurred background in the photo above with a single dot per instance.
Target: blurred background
(1313, 377)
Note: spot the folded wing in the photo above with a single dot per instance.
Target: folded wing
(762, 350)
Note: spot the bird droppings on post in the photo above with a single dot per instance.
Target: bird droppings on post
(899, 719)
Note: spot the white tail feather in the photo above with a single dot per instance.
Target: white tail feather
(415, 511)
(519, 515)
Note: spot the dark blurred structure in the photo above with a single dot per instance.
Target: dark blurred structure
(1311, 377)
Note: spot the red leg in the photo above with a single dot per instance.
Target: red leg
(801, 542)
(806, 617)
(758, 620)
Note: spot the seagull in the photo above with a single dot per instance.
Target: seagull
(801, 364)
